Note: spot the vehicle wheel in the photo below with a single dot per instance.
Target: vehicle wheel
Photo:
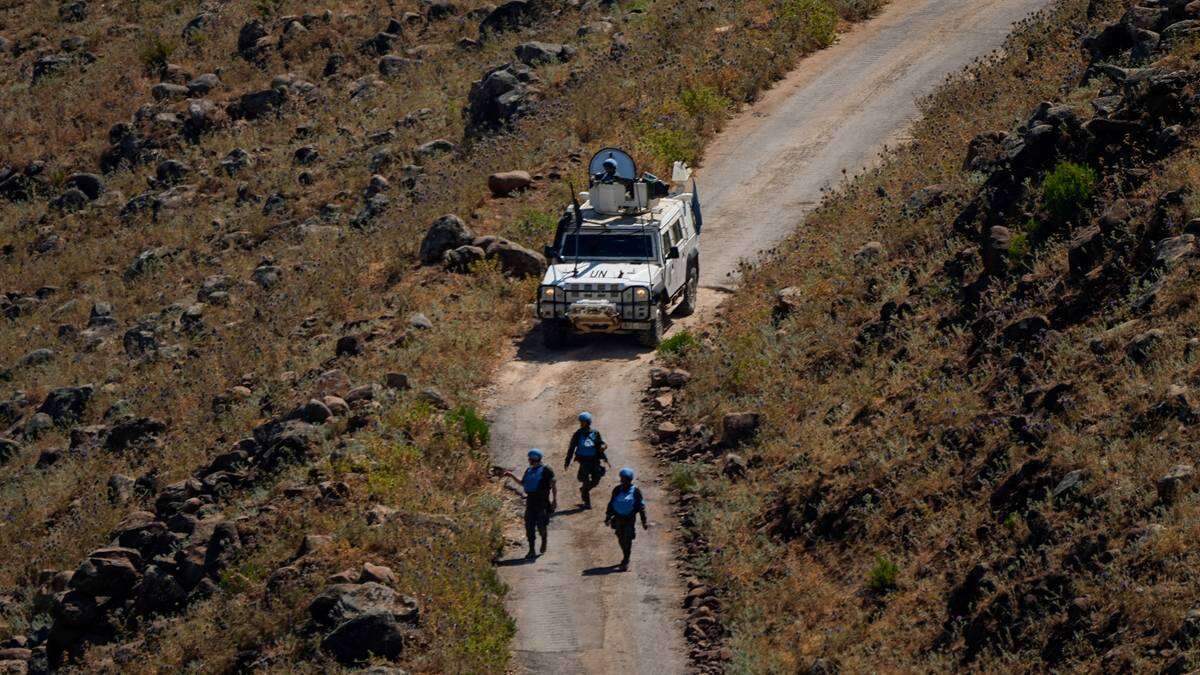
(651, 336)
(555, 334)
(691, 292)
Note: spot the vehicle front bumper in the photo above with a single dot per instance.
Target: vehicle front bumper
(593, 315)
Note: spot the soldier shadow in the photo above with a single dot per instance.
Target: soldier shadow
(580, 348)
(602, 570)
(515, 561)
(569, 512)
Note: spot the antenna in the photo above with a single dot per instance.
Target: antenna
(578, 228)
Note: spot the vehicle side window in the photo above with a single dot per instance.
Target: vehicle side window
(677, 231)
(666, 242)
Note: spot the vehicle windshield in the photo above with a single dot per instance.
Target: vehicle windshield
(589, 246)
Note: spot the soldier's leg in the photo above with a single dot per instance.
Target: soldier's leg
(542, 523)
(530, 529)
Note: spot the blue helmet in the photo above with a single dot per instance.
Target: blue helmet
(610, 164)
(585, 417)
(626, 472)
(535, 454)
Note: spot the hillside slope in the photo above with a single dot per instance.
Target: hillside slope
(239, 373)
(952, 422)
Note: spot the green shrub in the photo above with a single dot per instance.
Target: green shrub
(812, 22)
(882, 577)
(1067, 189)
(677, 344)
(702, 102)
(474, 428)
(536, 225)
(155, 53)
(684, 479)
(1019, 247)
(669, 145)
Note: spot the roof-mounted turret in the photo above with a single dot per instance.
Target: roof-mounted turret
(615, 188)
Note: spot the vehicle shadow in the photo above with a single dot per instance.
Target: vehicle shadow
(601, 571)
(580, 348)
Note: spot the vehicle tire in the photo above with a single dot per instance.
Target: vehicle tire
(555, 334)
(691, 292)
(651, 336)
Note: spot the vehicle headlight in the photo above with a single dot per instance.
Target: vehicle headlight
(641, 294)
(549, 293)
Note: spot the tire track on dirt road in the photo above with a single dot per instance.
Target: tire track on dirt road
(860, 95)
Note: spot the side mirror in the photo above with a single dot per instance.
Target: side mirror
(550, 252)
(673, 254)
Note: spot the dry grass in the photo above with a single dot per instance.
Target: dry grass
(895, 447)
(275, 341)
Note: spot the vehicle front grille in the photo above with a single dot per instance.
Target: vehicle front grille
(576, 292)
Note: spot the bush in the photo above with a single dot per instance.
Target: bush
(536, 225)
(1067, 189)
(677, 344)
(882, 577)
(669, 145)
(474, 428)
(812, 22)
(702, 102)
(155, 53)
(684, 479)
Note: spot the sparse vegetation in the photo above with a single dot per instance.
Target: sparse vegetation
(1067, 189)
(678, 344)
(1016, 437)
(223, 280)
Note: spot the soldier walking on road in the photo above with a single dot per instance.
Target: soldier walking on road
(587, 448)
(625, 505)
(541, 498)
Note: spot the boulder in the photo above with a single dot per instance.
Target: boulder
(374, 634)
(108, 572)
(737, 427)
(1172, 485)
(462, 258)
(869, 252)
(165, 91)
(1085, 250)
(8, 450)
(516, 260)
(534, 53)
(342, 602)
(500, 96)
(378, 574)
(1168, 252)
(507, 182)
(89, 184)
(66, 404)
(507, 16)
(256, 104)
(446, 233)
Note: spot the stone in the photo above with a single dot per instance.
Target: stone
(108, 572)
(165, 91)
(504, 183)
(348, 345)
(1141, 348)
(66, 404)
(737, 427)
(1171, 486)
(398, 381)
(203, 84)
(870, 251)
(507, 16)
(1084, 251)
(537, 53)
(312, 543)
(446, 233)
(8, 450)
(378, 574)
(316, 412)
(419, 321)
(1168, 252)
(503, 94)
(463, 258)
(433, 148)
(256, 104)
(995, 251)
(120, 489)
(392, 65)
(515, 260)
(927, 198)
(434, 398)
(89, 184)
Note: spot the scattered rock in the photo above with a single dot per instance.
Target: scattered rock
(505, 183)
(446, 233)
(1172, 485)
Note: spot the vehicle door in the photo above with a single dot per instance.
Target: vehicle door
(674, 269)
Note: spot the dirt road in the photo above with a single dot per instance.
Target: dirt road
(835, 112)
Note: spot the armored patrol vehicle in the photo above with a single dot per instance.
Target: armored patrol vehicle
(625, 257)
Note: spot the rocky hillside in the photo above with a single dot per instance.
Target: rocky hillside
(952, 424)
(256, 260)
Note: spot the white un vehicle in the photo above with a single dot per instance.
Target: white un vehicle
(624, 258)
